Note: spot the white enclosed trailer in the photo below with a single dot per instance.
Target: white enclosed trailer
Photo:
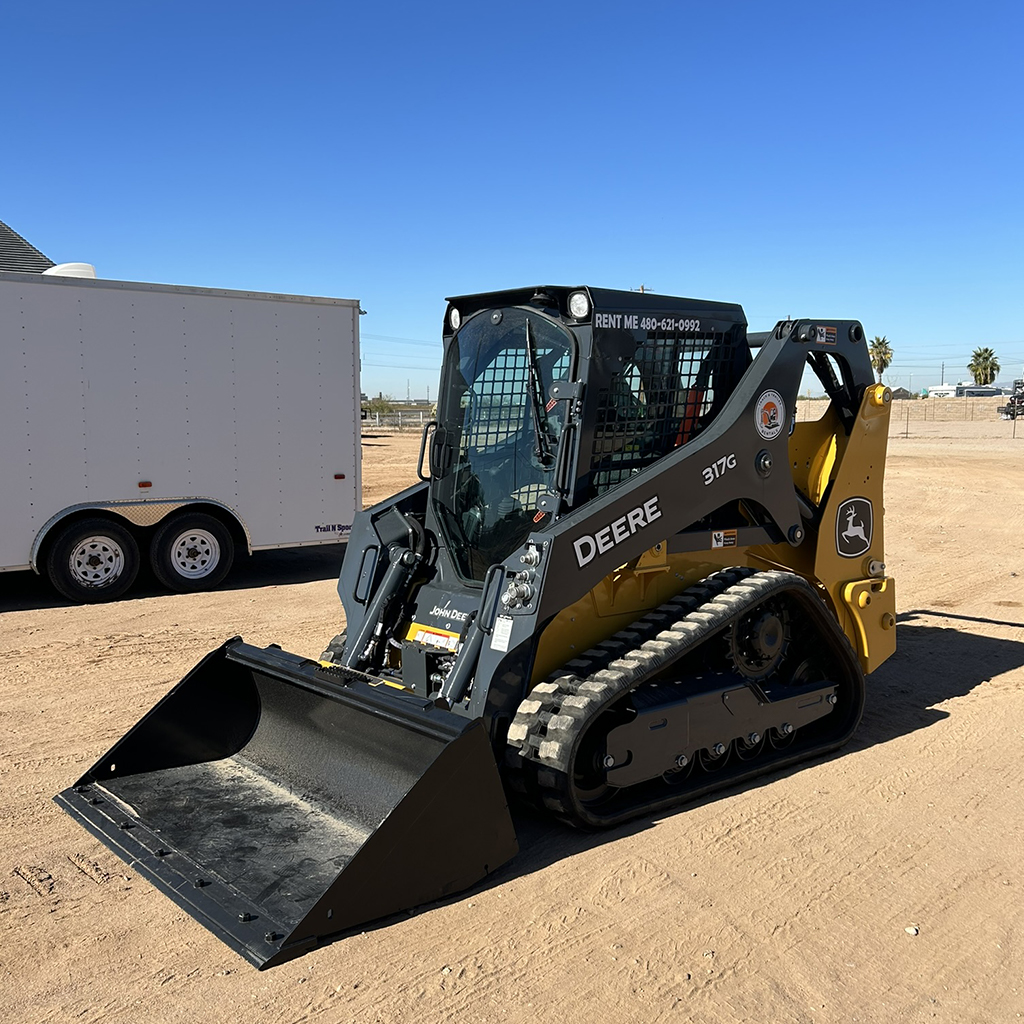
(174, 425)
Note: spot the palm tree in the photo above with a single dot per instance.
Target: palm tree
(983, 367)
(881, 355)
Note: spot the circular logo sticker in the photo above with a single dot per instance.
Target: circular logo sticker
(770, 415)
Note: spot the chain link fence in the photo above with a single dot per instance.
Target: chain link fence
(906, 416)
(400, 421)
(933, 416)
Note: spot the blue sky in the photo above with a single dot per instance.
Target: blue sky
(801, 159)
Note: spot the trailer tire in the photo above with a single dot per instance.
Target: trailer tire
(93, 560)
(191, 551)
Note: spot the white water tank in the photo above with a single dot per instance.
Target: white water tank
(72, 270)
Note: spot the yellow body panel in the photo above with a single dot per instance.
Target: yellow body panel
(621, 598)
(871, 605)
(824, 461)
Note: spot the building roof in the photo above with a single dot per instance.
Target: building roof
(17, 254)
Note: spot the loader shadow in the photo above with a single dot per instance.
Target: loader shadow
(932, 665)
(24, 591)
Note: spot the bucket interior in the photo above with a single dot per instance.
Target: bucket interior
(258, 793)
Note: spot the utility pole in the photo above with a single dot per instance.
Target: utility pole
(943, 373)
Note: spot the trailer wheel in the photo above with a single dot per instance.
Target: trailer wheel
(93, 560)
(191, 551)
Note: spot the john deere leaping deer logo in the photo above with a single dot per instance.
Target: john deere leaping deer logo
(854, 527)
(770, 415)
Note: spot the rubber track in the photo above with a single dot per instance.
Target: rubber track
(544, 700)
(336, 648)
(549, 724)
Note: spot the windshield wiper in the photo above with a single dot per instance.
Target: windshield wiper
(541, 449)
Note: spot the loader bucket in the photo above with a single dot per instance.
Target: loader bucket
(282, 805)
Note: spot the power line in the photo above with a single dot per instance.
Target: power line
(400, 341)
(402, 366)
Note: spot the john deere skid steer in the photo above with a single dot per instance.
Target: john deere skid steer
(630, 579)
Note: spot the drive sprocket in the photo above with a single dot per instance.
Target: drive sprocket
(758, 641)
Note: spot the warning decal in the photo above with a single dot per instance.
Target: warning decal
(502, 633)
(432, 636)
(723, 538)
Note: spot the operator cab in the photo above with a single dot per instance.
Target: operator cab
(551, 396)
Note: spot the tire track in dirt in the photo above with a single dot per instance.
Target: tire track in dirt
(89, 868)
(38, 879)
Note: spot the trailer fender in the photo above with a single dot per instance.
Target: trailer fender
(137, 513)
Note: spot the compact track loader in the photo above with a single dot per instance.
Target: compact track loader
(630, 579)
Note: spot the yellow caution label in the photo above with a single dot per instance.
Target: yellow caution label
(433, 636)
(393, 685)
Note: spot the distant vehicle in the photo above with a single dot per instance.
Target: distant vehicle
(173, 425)
(964, 389)
(1015, 403)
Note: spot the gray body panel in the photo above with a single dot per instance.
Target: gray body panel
(245, 399)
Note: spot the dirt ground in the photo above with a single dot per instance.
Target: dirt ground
(881, 884)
